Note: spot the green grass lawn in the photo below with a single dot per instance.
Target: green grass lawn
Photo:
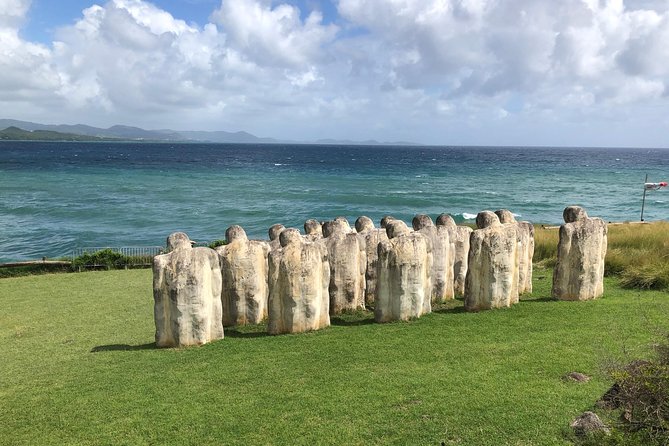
(78, 366)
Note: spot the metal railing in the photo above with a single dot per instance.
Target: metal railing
(126, 256)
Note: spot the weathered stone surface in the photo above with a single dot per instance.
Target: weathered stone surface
(460, 240)
(587, 423)
(404, 275)
(244, 271)
(299, 275)
(492, 274)
(348, 263)
(339, 224)
(579, 271)
(274, 232)
(385, 220)
(363, 224)
(372, 237)
(526, 240)
(443, 255)
(313, 229)
(187, 294)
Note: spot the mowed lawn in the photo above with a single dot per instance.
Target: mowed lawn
(78, 366)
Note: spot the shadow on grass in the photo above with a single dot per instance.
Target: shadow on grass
(123, 347)
(234, 333)
(350, 322)
(450, 310)
(538, 300)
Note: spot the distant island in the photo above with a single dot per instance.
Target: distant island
(16, 134)
(15, 130)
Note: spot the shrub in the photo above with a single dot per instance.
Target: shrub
(216, 243)
(641, 394)
(105, 258)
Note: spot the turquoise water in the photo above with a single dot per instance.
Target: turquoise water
(59, 196)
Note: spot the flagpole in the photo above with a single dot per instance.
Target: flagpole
(643, 201)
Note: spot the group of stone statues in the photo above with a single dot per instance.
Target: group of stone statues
(297, 281)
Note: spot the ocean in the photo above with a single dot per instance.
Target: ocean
(58, 196)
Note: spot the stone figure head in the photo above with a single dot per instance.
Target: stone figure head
(445, 220)
(178, 240)
(363, 224)
(289, 236)
(235, 232)
(505, 216)
(385, 220)
(574, 213)
(337, 226)
(275, 230)
(396, 228)
(421, 221)
(485, 219)
(312, 227)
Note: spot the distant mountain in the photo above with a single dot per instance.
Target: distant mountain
(226, 137)
(128, 133)
(13, 133)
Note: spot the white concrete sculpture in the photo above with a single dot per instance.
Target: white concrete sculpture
(526, 254)
(244, 270)
(579, 271)
(443, 255)
(460, 239)
(187, 294)
(404, 275)
(299, 275)
(348, 262)
(492, 274)
(372, 237)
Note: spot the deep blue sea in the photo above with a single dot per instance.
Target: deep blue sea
(55, 197)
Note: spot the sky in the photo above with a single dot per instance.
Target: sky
(444, 72)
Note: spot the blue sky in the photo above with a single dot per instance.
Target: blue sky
(479, 72)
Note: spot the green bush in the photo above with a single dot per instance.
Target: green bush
(103, 258)
(216, 243)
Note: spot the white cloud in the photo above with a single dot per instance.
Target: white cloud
(422, 70)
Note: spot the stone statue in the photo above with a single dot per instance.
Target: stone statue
(244, 270)
(385, 220)
(460, 240)
(274, 232)
(348, 262)
(372, 237)
(313, 230)
(492, 274)
(443, 255)
(579, 271)
(404, 274)
(187, 294)
(526, 239)
(299, 275)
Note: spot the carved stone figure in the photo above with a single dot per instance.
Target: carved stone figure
(372, 237)
(579, 271)
(526, 240)
(313, 229)
(299, 275)
(492, 274)
(404, 274)
(443, 255)
(244, 270)
(274, 232)
(460, 240)
(187, 294)
(348, 262)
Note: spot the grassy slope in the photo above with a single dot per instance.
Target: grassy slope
(78, 367)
